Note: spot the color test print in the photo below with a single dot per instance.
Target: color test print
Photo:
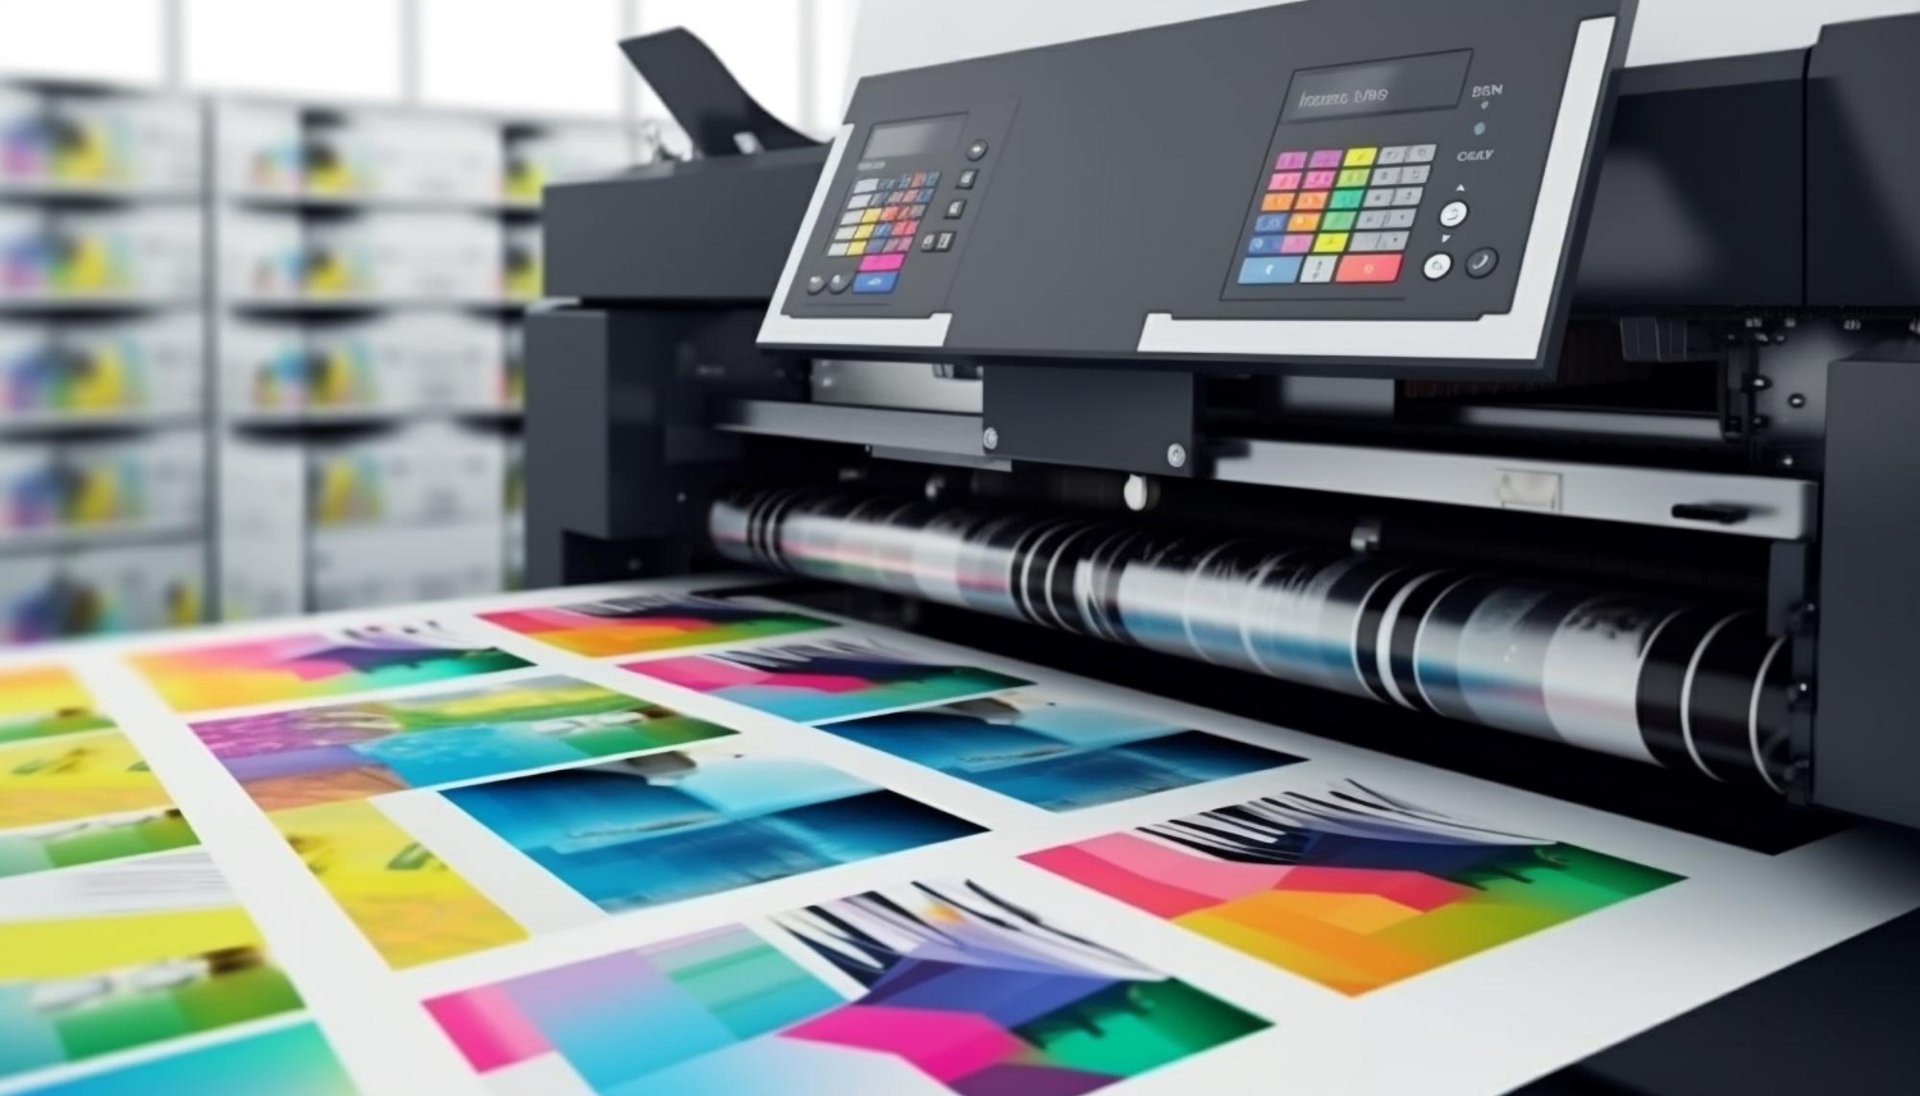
(93, 840)
(671, 826)
(650, 622)
(317, 666)
(292, 1061)
(44, 701)
(936, 987)
(352, 751)
(1055, 752)
(1355, 888)
(411, 906)
(113, 956)
(827, 680)
(74, 776)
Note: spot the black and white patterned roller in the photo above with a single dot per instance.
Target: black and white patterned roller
(1654, 680)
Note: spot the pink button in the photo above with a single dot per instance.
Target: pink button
(1284, 180)
(1296, 245)
(881, 263)
(1290, 161)
(1328, 157)
(1320, 180)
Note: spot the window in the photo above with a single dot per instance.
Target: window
(759, 41)
(116, 41)
(559, 57)
(348, 49)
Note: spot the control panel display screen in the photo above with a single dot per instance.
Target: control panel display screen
(1432, 82)
(922, 137)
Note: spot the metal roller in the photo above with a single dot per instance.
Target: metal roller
(1646, 678)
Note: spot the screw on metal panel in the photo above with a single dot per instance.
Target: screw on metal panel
(1786, 460)
(1760, 384)
(990, 438)
(1177, 455)
(1796, 401)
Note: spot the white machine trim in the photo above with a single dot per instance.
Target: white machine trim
(780, 329)
(1513, 336)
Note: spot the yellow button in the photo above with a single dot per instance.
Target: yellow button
(870, 216)
(858, 247)
(1361, 157)
(1303, 222)
(1330, 243)
(1356, 177)
(1276, 203)
(863, 232)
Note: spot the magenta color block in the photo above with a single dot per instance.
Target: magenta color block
(1291, 161)
(488, 1028)
(944, 1045)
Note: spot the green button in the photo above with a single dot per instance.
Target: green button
(1337, 222)
(1355, 177)
(1346, 199)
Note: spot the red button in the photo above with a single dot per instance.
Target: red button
(1369, 268)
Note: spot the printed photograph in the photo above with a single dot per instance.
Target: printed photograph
(650, 622)
(93, 840)
(670, 826)
(317, 666)
(114, 956)
(372, 747)
(45, 701)
(812, 682)
(1057, 753)
(292, 1061)
(73, 777)
(937, 987)
(1354, 888)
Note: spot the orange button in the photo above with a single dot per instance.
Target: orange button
(1276, 203)
(1303, 222)
(1312, 199)
(1369, 268)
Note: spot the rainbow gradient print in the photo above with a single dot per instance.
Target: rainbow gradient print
(938, 987)
(317, 665)
(811, 682)
(649, 622)
(1355, 888)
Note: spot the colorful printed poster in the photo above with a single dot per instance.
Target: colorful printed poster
(316, 666)
(1353, 888)
(74, 776)
(808, 683)
(670, 826)
(44, 701)
(93, 840)
(351, 751)
(650, 622)
(113, 956)
(411, 906)
(1057, 753)
(292, 1061)
(932, 987)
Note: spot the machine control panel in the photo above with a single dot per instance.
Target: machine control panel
(1252, 188)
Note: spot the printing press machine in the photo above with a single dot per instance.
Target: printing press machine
(1450, 380)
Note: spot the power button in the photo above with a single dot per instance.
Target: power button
(977, 150)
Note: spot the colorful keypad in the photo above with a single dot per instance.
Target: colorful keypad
(1337, 215)
(878, 225)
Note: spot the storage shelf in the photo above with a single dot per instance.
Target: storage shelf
(28, 542)
(328, 305)
(352, 203)
(101, 193)
(369, 416)
(57, 422)
(83, 305)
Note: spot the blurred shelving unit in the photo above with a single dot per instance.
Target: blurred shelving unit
(103, 397)
(370, 267)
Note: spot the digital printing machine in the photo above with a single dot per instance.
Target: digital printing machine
(1408, 373)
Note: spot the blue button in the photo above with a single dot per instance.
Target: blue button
(883, 283)
(1264, 245)
(1270, 222)
(933, 178)
(1281, 271)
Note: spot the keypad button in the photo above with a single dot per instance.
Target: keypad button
(956, 209)
(1384, 176)
(1284, 180)
(900, 243)
(1270, 222)
(869, 216)
(1304, 222)
(873, 264)
(1277, 203)
(1281, 271)
(839, 283)
(977, 150)
(967, 179)
(1416, 175)
(1296, 245)
(863, 232)
(862, 187)
(1320, 180)
(1422, 154)
(891, 183)
(917, 179)
(1393, 241)
(882, 231)
(907, 228)
(1345, 199)
(1327, 157)
(927, 241)
(850, 218)
(1395, 155)
(933, 179)
(1364, 241)
(1311, 200)
(857, 247)
(1356, 176)
(1290, 161)
(1438, 265)
(1373, 219)
(1369, 269)
(1264, 245)
(1318, 269)
(816, 285)
(845, 233)
(1401, 218)
(945, 242)
(1338, 222)
(860, 201)
(1378, 199)
(891, 213)
(1481, 262)
(1330, 243)
(1453, 214)
(836, 251)
(1362, 157)
(1409, 195)
(925, 194)
(875, 283)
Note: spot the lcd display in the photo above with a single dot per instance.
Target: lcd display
(1378, 87)
(915, 138)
